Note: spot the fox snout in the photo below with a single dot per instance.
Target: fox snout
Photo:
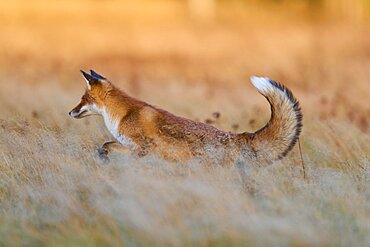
(75, 112)
(80, 111)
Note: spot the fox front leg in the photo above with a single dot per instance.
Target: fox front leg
(108, 147)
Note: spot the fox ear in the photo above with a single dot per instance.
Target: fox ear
(96, 75)
(90, 80)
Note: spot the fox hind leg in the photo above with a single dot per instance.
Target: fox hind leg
(245, 171)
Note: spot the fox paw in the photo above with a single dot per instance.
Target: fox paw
(102, 152)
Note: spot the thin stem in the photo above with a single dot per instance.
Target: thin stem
(303, 166)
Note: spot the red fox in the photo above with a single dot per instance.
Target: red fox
(142, 129)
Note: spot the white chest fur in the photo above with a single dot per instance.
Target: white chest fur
(113, 127)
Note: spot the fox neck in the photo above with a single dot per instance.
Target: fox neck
(115, 107)
(113, 124)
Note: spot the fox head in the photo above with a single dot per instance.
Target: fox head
(92, 101)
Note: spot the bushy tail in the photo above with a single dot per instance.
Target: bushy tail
(280, 134)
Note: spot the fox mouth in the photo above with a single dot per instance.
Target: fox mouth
(85, 113)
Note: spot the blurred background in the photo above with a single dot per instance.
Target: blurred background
(185, 53)
(193, 58)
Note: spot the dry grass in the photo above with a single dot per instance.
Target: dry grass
(54, 190)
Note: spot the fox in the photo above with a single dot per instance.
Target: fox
(140, 128)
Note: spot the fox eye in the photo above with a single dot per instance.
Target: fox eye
(87, 98)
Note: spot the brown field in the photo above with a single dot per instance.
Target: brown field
(54, 191)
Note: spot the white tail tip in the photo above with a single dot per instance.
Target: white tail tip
(262, 84)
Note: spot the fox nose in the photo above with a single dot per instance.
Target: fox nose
(70, 113)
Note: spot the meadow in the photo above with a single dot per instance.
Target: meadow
(55, 191)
